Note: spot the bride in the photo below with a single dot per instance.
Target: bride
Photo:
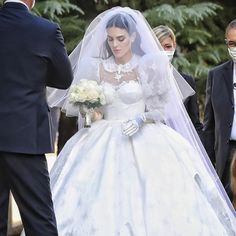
(131, 174)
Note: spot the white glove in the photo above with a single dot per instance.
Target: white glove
(131, 127)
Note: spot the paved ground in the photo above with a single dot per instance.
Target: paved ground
(15, 225)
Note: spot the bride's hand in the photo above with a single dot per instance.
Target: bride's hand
(132, 126)
(97, 115)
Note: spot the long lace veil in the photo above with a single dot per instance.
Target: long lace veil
(85, 59)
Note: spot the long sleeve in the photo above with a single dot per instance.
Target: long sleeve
(154, 80)
(60, 71)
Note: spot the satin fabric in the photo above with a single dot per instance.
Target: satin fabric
(153, 183)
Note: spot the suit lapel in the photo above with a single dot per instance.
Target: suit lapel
(228, 77)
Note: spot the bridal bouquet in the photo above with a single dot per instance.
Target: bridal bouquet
(88, 95)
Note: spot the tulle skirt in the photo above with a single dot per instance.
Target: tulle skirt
(152, 184)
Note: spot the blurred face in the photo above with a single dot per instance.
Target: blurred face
(120, 42)
(168, 44)
(231, 43)
(231, 38)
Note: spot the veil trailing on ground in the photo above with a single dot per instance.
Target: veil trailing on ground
(154, 63)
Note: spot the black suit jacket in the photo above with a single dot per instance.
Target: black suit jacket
(219, 113)
(191, 105)
(32, 56)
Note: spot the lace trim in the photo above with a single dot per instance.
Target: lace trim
(118, 86)
(111, 66)
(116, 74)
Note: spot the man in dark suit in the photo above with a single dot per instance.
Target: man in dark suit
(32, 56)
(220, 118)
(167, 39)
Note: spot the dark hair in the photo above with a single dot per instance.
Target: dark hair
(231, 25)
(128, 23)
(120, 21)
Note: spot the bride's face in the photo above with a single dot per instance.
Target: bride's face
(120, 42)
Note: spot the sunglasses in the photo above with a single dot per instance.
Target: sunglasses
(230, 43)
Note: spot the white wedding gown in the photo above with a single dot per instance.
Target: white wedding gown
(151, 184)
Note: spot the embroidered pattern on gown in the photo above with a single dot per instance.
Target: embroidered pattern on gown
(151, 184)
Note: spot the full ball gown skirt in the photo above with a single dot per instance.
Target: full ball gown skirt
(151, 184)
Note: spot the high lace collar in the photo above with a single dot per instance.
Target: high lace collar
(111, 66)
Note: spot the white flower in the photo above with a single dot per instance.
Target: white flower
(89, 92)
(102, 99)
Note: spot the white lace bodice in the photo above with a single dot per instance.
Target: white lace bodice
(124, 101)
(122, 89)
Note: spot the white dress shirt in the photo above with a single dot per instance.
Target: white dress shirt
(233, 131)
(18, 1)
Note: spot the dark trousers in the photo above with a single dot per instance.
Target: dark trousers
(28, 179)
(226, 174)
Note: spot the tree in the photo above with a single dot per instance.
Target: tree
(67, 15)
(199, 27)
(200, 37)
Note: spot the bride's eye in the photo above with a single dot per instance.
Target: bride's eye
(109, 39)
(121, 39)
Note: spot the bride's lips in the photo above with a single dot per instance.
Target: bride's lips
(116, 50)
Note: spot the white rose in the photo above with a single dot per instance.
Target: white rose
(93, 83)
(73, 97)
(83, 81)
(87, 90)
(102, 99)
(81, 97)
(93, 95)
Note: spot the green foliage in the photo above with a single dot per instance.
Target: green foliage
(106, 4)
(201, 11)
(135, 4)
(54, 9)
(67, 15)
(180, 15)
(199, 27)
(73, 30)
(191, 36)
(102, 5)
(200, 44)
